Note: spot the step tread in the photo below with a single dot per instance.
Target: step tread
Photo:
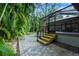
(42, 41)
(47, 39)
(47, 36)
(51, 34)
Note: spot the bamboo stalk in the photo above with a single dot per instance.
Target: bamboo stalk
(3, 11)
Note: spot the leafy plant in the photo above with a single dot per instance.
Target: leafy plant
(5, 49)
(4, 33)
(15, 20)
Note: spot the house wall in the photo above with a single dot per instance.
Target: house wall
(71, 40)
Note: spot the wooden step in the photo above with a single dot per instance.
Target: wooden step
(50, 37)
(43, 42)
(47, 39)
(50, 34)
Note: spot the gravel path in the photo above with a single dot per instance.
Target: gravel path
(30, 47)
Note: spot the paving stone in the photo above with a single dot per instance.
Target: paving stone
(30, 47)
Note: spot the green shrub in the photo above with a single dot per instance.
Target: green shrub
(5, 49)
(4, 33)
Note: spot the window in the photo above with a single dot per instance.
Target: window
(71, 25)
(75, 28)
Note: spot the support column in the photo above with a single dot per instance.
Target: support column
(48, 24)
(71, 26)
(55, 23)
(39, 29)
